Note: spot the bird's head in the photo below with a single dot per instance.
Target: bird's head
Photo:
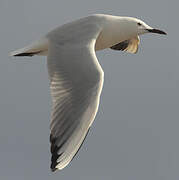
(134, 26)
(141, 27)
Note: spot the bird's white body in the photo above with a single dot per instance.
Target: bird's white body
(112, 30)
(76, 77)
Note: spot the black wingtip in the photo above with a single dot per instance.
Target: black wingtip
(53, 169)
(54, 162)
(121, 46)
(25, 54)
(54, 150)
(30, 54)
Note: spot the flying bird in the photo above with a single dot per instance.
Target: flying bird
(76, 77)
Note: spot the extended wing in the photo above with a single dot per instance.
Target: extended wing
(76, 81)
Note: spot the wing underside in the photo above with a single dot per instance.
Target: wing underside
(76, 80)
(130, 45)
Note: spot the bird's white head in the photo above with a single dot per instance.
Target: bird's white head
(139, 27)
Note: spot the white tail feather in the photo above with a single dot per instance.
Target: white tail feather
(39, 47)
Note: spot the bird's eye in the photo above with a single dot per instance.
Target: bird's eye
(139, 24)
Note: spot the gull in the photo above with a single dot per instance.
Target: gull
(76, 77)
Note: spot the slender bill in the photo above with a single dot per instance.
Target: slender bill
(156, 31)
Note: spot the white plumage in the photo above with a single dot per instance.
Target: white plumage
(76, 77)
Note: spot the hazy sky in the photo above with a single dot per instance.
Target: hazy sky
(135, 134)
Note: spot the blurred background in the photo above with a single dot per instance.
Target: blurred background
(135, 134)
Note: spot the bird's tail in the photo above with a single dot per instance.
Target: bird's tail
(39, 47)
